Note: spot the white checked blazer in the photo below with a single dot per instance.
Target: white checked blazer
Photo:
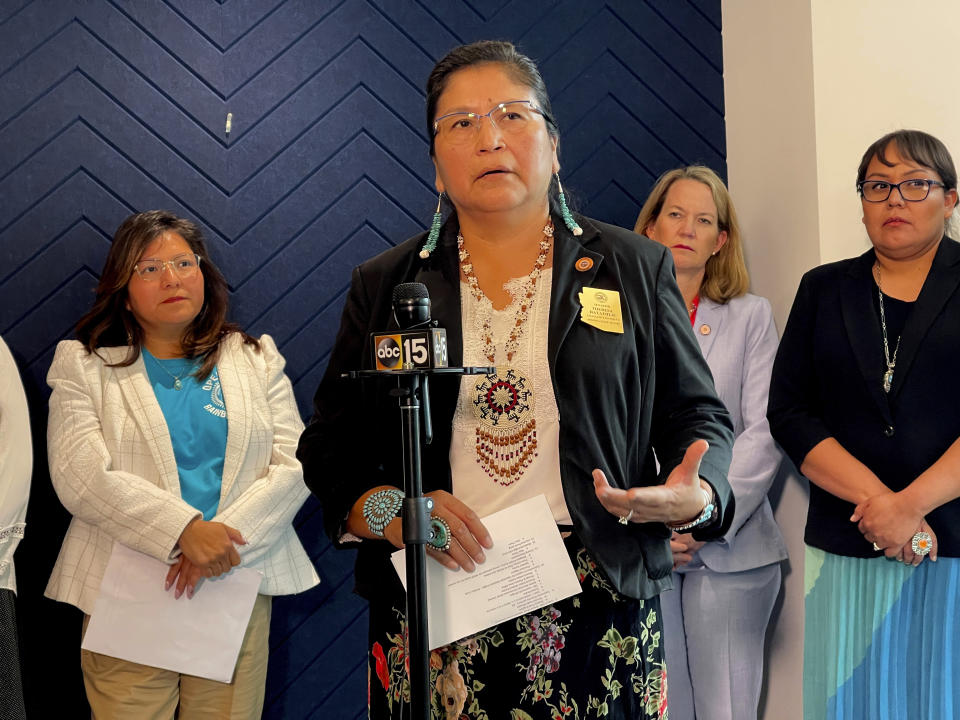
(113, 467)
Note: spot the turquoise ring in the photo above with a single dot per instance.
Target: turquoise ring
(439, 534)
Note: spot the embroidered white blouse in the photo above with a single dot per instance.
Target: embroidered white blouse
(471, 483)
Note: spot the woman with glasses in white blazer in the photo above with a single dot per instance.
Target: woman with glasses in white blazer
(173, 432)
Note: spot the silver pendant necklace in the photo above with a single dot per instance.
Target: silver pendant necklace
(891, 362)
(177, 383)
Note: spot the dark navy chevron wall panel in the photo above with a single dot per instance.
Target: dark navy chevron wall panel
(108, 107)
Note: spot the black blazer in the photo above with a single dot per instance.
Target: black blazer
(619, 396)
(827, 382)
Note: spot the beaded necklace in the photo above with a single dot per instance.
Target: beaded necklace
(506, 434)
(510, 346)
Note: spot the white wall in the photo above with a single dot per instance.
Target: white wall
(864, 87)
(772, 170)
(809, 84)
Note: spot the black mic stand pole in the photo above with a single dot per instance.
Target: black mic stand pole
(412, 387)
(416, 533)
(411, 310)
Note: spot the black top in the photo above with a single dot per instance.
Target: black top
(895, 312)
(828, 382)
(619, 396)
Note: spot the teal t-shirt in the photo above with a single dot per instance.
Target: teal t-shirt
(197, 420)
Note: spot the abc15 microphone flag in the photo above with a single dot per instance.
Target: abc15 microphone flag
(410, 350)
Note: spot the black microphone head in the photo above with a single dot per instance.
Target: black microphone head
(411, 305)
(410, 291)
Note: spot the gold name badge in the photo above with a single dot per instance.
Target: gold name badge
(601, 309)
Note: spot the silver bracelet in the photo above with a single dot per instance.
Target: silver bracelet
(706, 516)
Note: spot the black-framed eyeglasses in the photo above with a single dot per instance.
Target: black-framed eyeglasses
(913, 190)
(512, 117)
(184, 266)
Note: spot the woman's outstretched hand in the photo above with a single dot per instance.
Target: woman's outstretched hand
(678, 500)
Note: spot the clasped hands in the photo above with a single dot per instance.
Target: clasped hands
(890, 522)
(684, 547)
(208, 549)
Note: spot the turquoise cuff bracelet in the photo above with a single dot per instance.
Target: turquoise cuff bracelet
(380, 508)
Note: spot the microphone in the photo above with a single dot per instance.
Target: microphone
(419, 344)
(411, 305)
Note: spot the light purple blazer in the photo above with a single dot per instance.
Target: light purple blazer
(739, 342)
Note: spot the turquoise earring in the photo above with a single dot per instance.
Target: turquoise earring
(565, 212)
(431, 244)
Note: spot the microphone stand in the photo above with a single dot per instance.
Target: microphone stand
(412, 387)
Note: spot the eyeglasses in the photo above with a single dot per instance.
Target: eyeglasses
(913, 190)
(511, 118)
(184, 266)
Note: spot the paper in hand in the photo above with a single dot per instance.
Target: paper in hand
(135, 619)
(527, 568)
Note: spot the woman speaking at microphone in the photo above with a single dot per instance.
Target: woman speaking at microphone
(573, 412)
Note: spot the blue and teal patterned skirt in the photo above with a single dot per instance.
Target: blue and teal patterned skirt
(881, 640)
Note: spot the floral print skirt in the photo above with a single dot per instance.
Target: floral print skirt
(594, 655)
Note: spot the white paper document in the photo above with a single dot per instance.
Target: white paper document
(527, 568)
(136, 619)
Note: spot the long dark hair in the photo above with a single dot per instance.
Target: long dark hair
(109, 323)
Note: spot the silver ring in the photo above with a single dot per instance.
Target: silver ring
(439, 534)
(877, 547)
(624, 519)
(921, 544)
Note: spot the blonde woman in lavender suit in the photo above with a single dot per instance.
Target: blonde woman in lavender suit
(716, 616)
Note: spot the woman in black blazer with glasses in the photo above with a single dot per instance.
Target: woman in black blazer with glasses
(865, 400)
